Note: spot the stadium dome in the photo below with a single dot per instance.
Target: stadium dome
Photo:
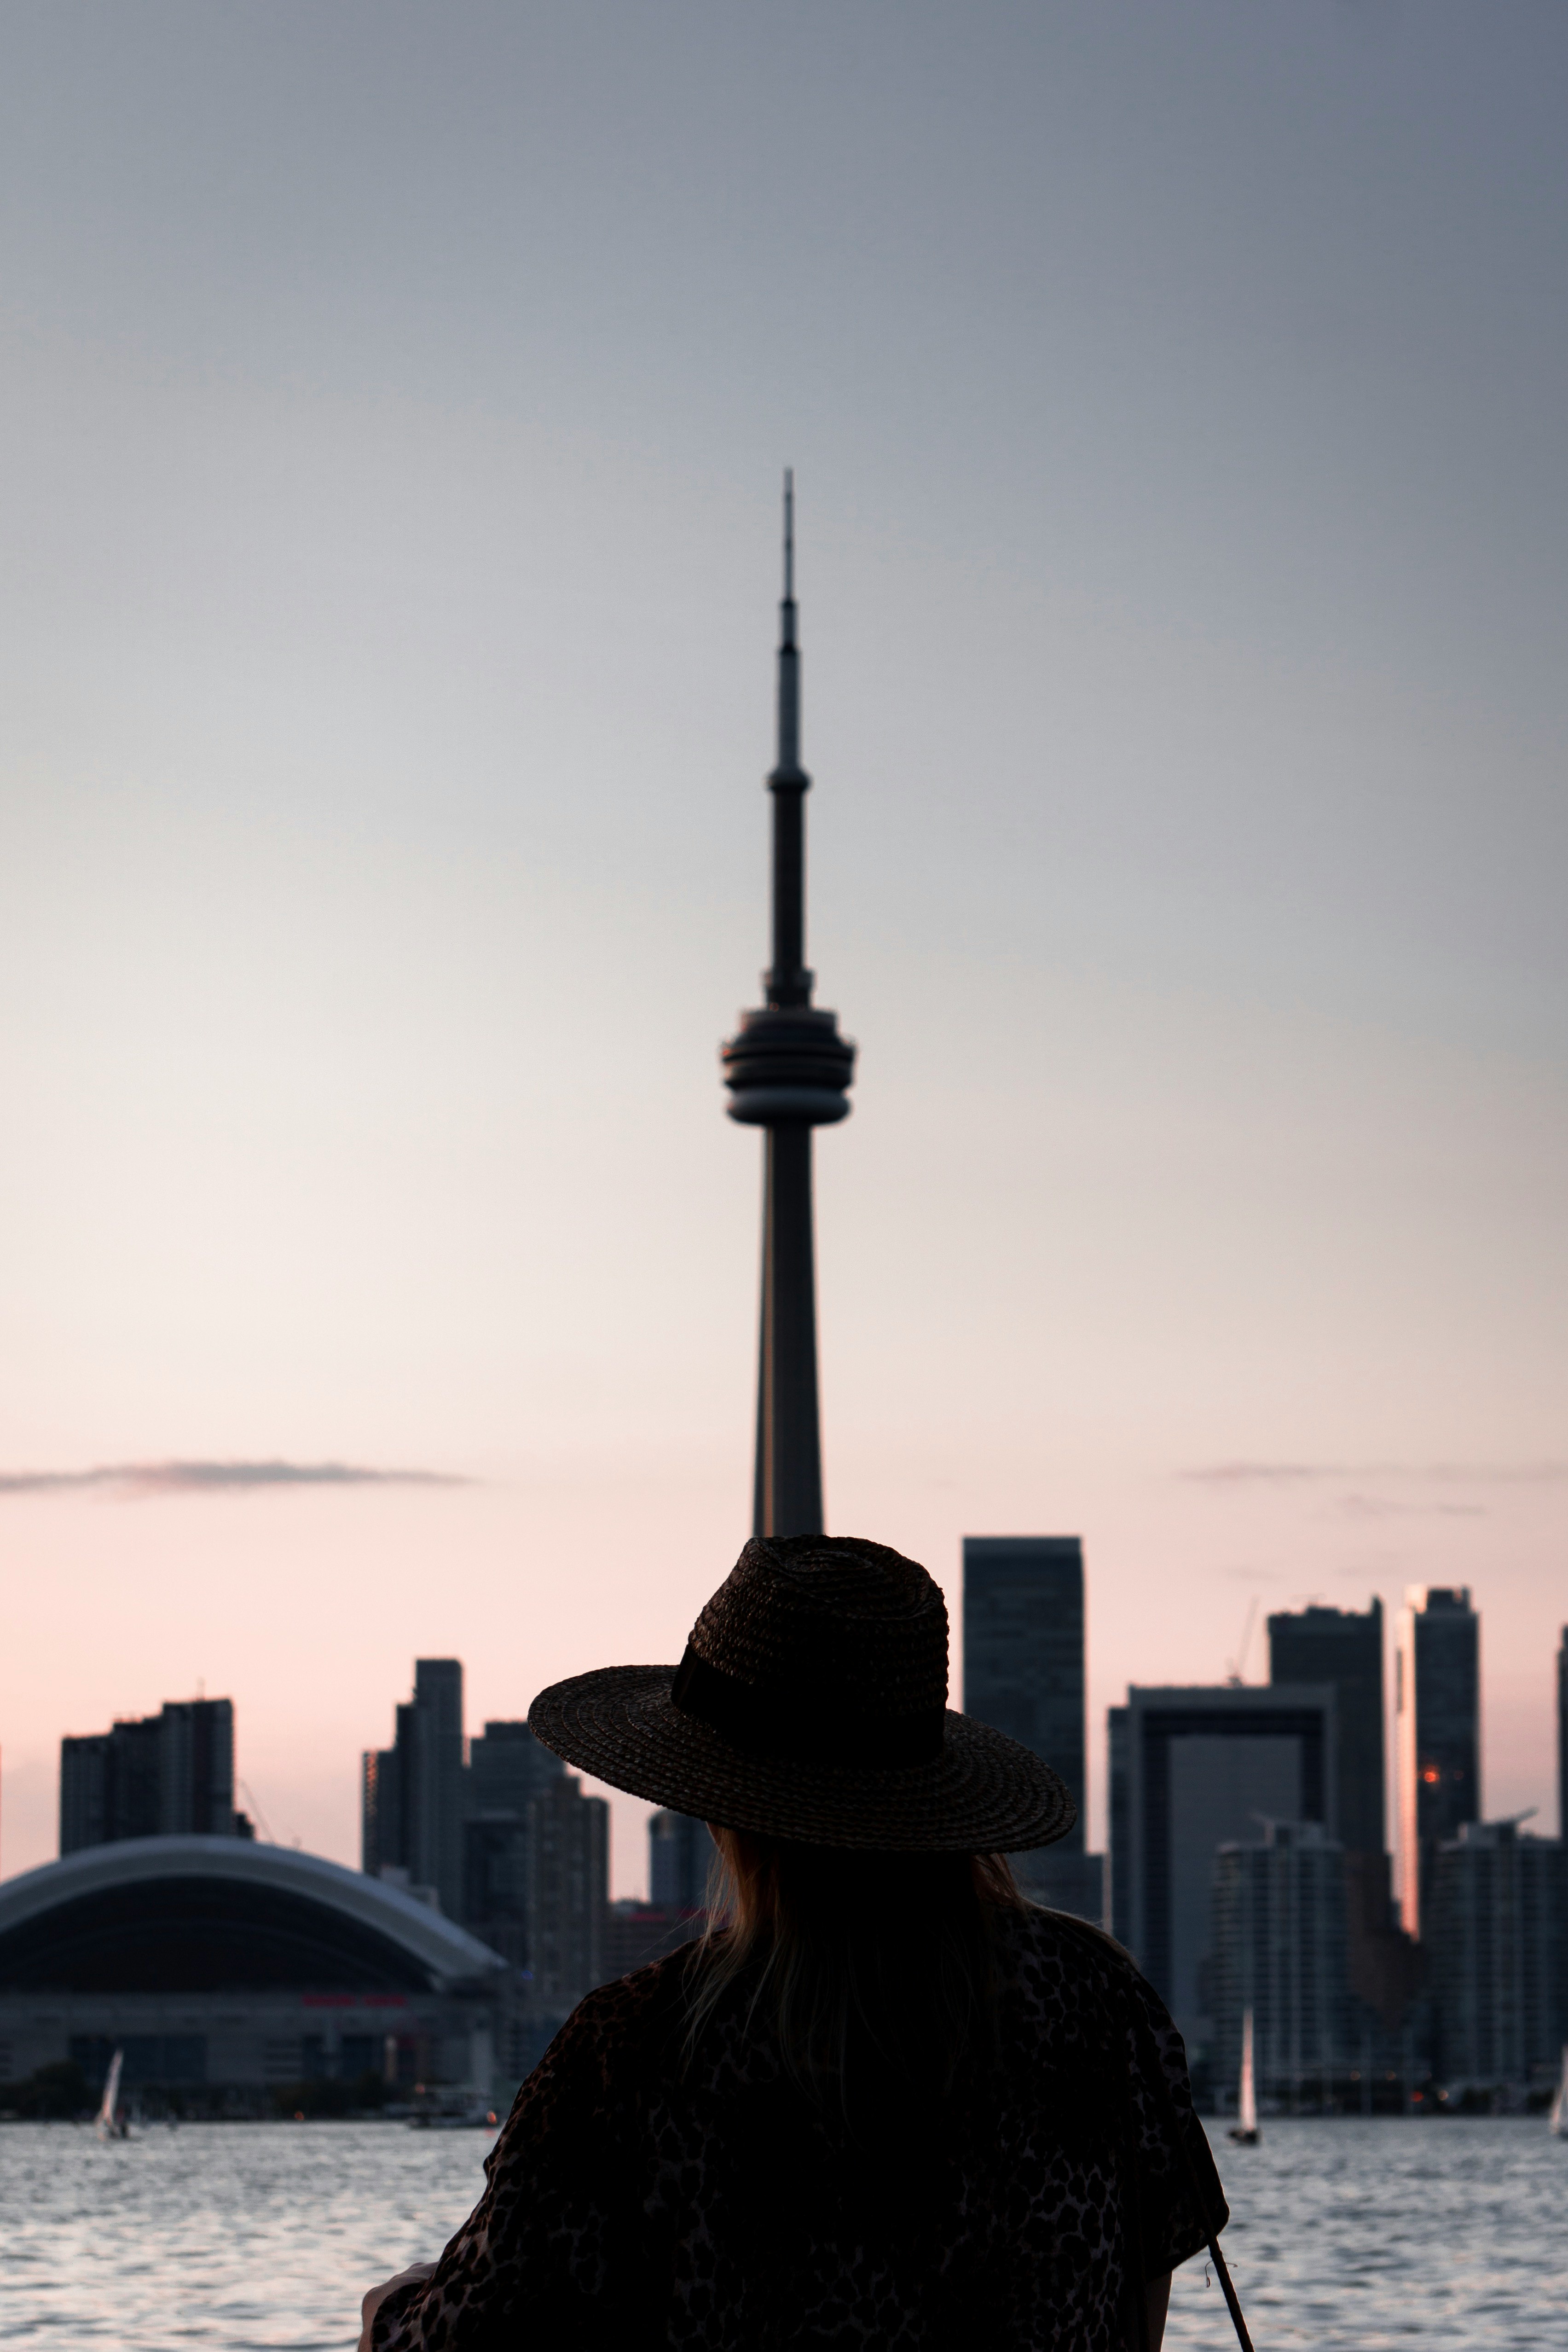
(206, 1915)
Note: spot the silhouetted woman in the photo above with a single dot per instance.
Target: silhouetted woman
(884, 2102)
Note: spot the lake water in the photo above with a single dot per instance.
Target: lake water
(1346, 2234)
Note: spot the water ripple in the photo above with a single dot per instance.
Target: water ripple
(1355, 2235)
(1348, 2236)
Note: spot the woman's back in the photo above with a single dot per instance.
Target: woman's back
(886, 2104)
(652, 2187)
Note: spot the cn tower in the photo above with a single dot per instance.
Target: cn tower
(788, 1071)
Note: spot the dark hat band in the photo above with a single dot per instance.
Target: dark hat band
(763, 1722)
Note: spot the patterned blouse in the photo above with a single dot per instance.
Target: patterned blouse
(641, 2197)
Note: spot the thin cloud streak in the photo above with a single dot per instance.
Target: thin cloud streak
(1465, 1473)
(1378, 1507)
(134, 1481)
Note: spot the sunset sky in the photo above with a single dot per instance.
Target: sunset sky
(392, 405)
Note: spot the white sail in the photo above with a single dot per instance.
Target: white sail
(1246, 2102)
(1557, 2120)
(107, 2127)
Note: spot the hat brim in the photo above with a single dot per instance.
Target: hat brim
(985, 1793)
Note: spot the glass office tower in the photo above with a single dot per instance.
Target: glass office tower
(1345, 1647)
(1024, 1674)
(1437, 1711)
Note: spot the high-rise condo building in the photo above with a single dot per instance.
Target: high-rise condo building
(1024, 1674)
(1437, 1703)
(1498, 1934)
(1192, 1770)
(507, 1768)
(1345, 1647)
(1280, 1949)
(568, 1893)
(165, 1774)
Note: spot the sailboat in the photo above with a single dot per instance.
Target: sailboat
(111, 2125)
(1557, 2119)
(1245, 2127)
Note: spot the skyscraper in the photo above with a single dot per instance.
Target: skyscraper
(412, 1797)
(569, 1891)
(788, 1071)
(385, 1800)
(507, 1768)
(1437, 1700)
(1023, 1674)
(165, 1774)
(1345, 1647)
(436, 1849)
(1563, 1736)
(1191, 1771)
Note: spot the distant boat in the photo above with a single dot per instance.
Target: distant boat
(111, 2124)
(452, 2108)
(1557, 2119)
(1245, 2127)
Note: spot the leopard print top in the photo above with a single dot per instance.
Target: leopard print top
(641, 2198)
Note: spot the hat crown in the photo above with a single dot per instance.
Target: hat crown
(832, 1620)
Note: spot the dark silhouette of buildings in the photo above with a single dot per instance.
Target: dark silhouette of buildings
(1024, 1674)
(1192, 1770)
(166, 1775)
(500, 1839)
(1345, 1647)
(1437, 1700)
(788, 1071)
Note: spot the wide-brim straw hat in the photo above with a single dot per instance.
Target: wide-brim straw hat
(812, 1704)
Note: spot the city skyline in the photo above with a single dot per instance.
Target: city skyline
(387, 656)
(1023, 1669)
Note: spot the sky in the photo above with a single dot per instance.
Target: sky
(392, 405)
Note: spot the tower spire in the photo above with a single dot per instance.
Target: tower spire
(788, 549)
(787, 1070)
(788, 759)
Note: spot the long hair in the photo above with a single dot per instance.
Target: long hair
(874, 1971)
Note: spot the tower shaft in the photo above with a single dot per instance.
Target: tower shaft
(787, 1487)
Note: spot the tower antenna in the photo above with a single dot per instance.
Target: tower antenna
(790, 535)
